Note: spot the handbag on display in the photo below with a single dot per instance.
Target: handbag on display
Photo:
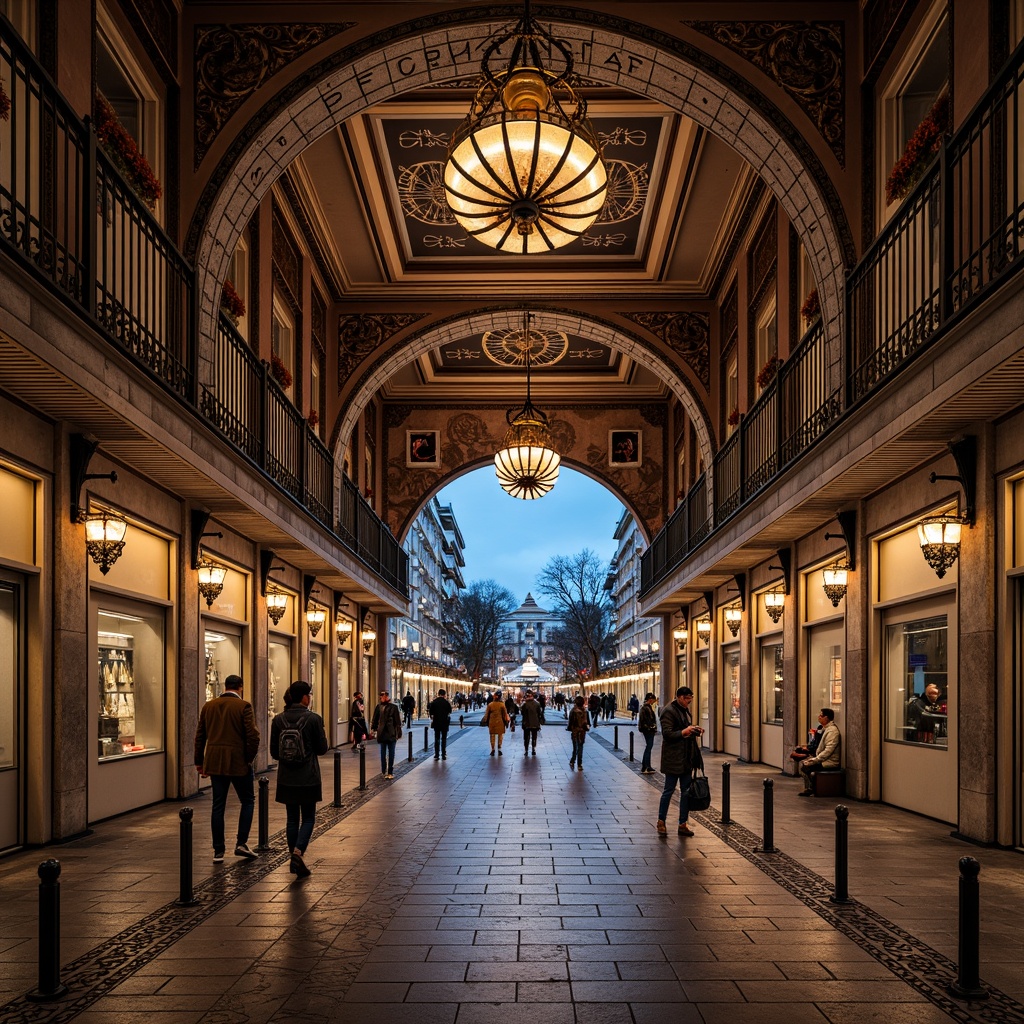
(700, 788)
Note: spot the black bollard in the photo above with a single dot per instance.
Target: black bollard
(50, 986)
(768, 843)
(462, 721)
(615, 745)
(264, 818)
(362, 766)
(426, 742)
(968, 984)
(185, 896)
(337, 780)
(842, 893)
(726, 796)
(410, 745)
(631, 735)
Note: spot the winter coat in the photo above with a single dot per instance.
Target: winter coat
(530, 711)
(496, 718)
(579, 723)
(227, 740)
(440, 712)
(387, 722)
(677, 751)
(648, 721)
(299, 783)
(829, 749)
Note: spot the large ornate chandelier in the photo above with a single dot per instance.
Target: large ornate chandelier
(527, 464)
(524, 172)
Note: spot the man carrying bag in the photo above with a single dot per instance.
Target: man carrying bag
(679, 754)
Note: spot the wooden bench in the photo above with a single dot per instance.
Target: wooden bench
(828, 782)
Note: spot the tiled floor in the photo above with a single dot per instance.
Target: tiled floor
(513, 889)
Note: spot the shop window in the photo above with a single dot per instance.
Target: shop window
(279, 673)
(238, 275)
(731, 669)
(732, 392)
(916, 681)
(825, 671)
(316, 376)
(316, 679)
(766, 343)
(10, 672)
(22, 15)
(223, 651)
(130, 650)
(282, 344)
(771, 684)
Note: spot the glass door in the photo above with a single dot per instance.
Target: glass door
(11, 695)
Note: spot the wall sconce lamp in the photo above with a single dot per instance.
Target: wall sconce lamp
(775, 603)
(316, 616)
(836, 576)
(104, 530)
(277, 604)
(655, 646)
(940, 535)
(681, 634)
(369, 635)
(834, 581)
(342, 625)
(704, 629)
(211, 579)
(733, 618)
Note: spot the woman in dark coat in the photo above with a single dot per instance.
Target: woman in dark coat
(298, 784)
(578, 726)
(678, 741)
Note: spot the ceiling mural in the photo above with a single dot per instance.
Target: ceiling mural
(494, 351)
(413, 149)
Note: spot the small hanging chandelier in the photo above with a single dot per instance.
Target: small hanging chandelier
(526, 464)
(940, 541)
(834, 581)
(775, 603)
(211, 579)
(524, 172)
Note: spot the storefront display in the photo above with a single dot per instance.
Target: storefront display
(223, 653)
(279, 675)
(916, 681)
(130, 650)
(771, 683)
(731, 673)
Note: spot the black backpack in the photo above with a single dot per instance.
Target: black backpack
(291, 745)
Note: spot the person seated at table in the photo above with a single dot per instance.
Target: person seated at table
(807, 749)
(827, 755)
(924, 715)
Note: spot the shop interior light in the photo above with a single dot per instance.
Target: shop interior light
(277, 604)
(527, 464)
(834, 582)
(733, 618)
(775, 603)
(940, 541)
(211, 579)
(524, 172)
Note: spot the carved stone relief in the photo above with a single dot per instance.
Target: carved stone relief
(687, 334)
(233, 61)
(359, 335)
(803, 57)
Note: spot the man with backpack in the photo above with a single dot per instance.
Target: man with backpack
(387, 727)
(297, 738)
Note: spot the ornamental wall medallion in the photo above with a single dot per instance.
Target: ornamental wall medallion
(358, 336)
(805, 58)
(233, 61)
(687, 334)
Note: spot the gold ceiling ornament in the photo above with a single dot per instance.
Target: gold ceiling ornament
(527, 464)
(524, 172)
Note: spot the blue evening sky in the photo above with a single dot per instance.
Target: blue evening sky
(510, 540)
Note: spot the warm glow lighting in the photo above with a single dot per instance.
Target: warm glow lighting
(315, 618)
(680, 634)
(704, 629)
(211, 580)
(524, 172)
(277, 603)
(104, 538)
(940, 541)
(834, 582)
(774, 604)
(733, 617)
(343, 627)
(526, 465)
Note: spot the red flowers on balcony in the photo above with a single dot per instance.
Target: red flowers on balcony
(768, 372)
(231, 302)
(733, 417)
(280, 372)
(811, 309)
(124, 153)
(5, 104)
(921, 147)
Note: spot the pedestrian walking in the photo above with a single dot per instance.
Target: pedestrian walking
(678, 746)
(633, 706)
(496, 717)
(532, 714)
(227, 742)
(357, 728)
(648, 726)
(408, 707)
(386, 726)
(579, 724)
(594, 706)
(297, 740)
(440, 711)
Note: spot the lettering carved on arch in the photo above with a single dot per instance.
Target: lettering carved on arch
(688, 334)
(359, 335)
(803, 57)
(233, 61)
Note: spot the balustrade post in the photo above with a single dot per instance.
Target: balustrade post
(50, 986)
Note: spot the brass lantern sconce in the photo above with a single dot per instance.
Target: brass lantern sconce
(940, 535)
(277, 599)
(369, 634)
(681, 634)
(704, 629)
(775, 599)
(104, 530)
(734, 612)
(835, 577)
(211, 573)
(733, 618)
(342, 624)
(277, 605)
(316, 614)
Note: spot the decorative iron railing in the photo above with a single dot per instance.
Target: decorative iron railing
(68, 217)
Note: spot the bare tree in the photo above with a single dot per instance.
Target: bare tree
(473, 619)
(575, 584)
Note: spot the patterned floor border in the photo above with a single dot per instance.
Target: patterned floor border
(99, 971)
(912, 961)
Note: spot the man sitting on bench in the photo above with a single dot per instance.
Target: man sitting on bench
(826, 757)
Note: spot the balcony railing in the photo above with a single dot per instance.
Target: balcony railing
(69, 219)
(955, 238)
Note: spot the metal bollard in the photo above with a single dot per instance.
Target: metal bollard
(768, 842)
(410, 745)
(426, 742)
(50, 986)
(726, 796)
(264, 822)
(337, 780)
(462, 721)
(615, 745)
(185, 896)
(842, 893)
(968, 984)
(631, 735)
(362, 766)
